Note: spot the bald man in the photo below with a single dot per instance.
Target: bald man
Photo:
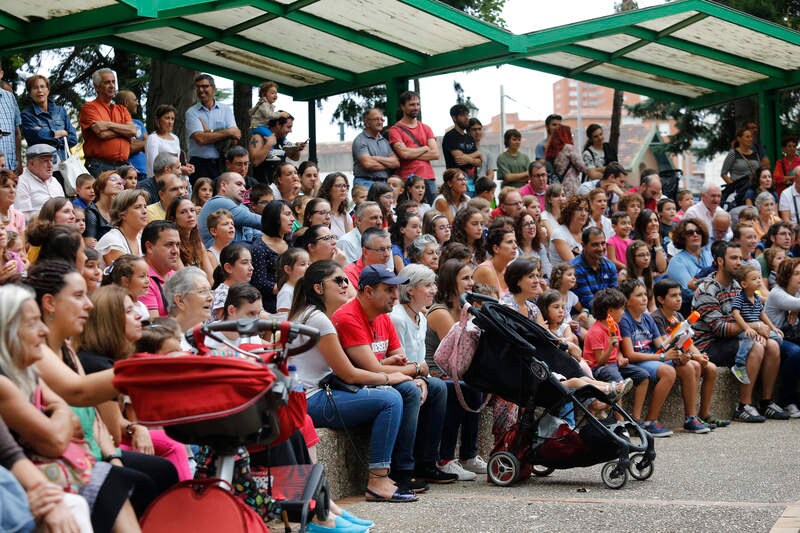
(137, 159)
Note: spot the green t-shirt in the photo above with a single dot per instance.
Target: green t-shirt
(508, 164)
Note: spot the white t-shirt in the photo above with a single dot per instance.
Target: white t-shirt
(608, 229)
(220, 295)
(311, 365)
(790, 201)
(144, 312)
(561, 233)
(285, 295)
(115, 240)
(339, 225)
(155, 145)
(412, 336)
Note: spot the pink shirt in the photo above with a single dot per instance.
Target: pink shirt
(617, 247)
(527, 190)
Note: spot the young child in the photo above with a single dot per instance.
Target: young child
(11, 265)
(601, 347)
(748, 312)
(638, 266)
(84, 189)
(640, 341)
(631, 203)
(667, 294)
(15, 243)
(299, 210)
(551, 304)
(398, 187)
(773, 256)
(242, 300)
(220, 226)
(92, 273)
(162, 335)
(415, 191)
(685, 200)
(131, 272)
(292, 265)
(359, 195)
(80, 219)
(485, 188)
(235, 266)
(617, 246)
(562, 279)
(260, 196)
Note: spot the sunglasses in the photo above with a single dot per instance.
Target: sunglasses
(693, 232)
(341, 281)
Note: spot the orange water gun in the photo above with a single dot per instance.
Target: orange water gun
(680, 335)
(613, 329)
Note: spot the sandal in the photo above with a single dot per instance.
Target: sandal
(397, 497)
(618, 389)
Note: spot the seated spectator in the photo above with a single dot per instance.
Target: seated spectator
(55, 241)
(130, 273)
(638, 265)
(414, 190)
(286, 183)
(717, 333)
(316, 211)
(334, 190)
(485, 207)
(58, 211)
(691, 238)
(436, 224)
(766, 209)
(502, 245)
(203, 191)
(647, 228)
(537, 183)
(559, 323)
(92, 271)
(710, 198)
(382, 194)
(276, 226)
(666, 209)
(612, 181)
(424, 250)
(220, 226)
(452, 193)
(130, 177)
(13, 220)
(467, 228)
(309, 178)
(12, 264)
(235, 266)
(531, 242)
(485, 188)
(36, 184)
(163, 165)
(555, 199)
(189, 297)
(292, 265)
(782, 307)
(84, 188)
(160, 244)
(367, 215)
(562, 279)
(779, 235)
(320, 243)
(98, 215)
(631, 203)
(403, 232)
(760, 182)
(593, 271)
(522, 278)
(408, 314)
(509, 204)
(230, 190)
(181, 211)
(376, 248)
(128, 219)
(565, 239)
(597, 208)
(170, 186)
(720, 227)
(640, 342)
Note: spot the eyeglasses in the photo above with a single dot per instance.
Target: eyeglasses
(382, 249)
(513, 203)
(323, 213)
(340, 186)
(327, 238)
(540, 175)
(690, 232)
(529, 224)
(341, 281)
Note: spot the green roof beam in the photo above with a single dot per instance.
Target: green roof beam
(706, 51)
(362, 38)
(188, 47)
(201, 7)
(11, 23)
(600, 57)
(661, 34)
(262, 49)
(247, 24)
(459, 18)
(297, 5)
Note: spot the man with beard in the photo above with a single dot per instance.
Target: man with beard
(415, 144)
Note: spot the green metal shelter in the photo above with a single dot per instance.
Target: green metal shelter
(693, 52)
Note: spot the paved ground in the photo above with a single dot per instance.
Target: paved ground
(739, 478)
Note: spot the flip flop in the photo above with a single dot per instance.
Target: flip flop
(397, 497)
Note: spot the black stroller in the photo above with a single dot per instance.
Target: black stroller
(517, 360)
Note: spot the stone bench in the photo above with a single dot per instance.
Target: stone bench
(346, 469)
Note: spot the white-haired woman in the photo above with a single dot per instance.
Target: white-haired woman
(408, 315)
(189, 298)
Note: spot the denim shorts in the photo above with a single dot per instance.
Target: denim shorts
(612, 372)
(651, 367)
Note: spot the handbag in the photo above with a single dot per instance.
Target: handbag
(455, 352)
(70, 168)
(336, 383)
(73, 470)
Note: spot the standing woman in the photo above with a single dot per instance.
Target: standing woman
(567, 162)
(98, 215)
(44, 122)
(438, 225)
(740, 167)
(598, 201)
(12, 219)
(318, 294)
(276, 226)
(647, 228)
(128, 218)
(452, 194)
(565, 242)
(309, 178)
(162, 140)
(455, 278)
(597, 153)
(334, 188)
(181, 211)
(785, 165)
(403, 232)
(286, 183)
(468, 230)
(503, 246)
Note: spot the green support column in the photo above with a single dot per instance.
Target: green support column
(769, 125)
(394, 86)
(312, 130)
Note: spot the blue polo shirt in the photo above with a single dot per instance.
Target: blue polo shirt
(216, 118)
(589, 280)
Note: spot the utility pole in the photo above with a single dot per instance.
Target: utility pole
(502, 114)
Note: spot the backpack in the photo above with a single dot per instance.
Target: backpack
(455, 352)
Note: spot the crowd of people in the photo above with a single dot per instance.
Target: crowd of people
(156, 241)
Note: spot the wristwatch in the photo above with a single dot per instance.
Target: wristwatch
(662, 358)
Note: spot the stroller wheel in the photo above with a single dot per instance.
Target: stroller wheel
(503, 469)
(613, 476)
(640, 467)
(542, 471)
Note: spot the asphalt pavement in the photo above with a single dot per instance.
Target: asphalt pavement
(739, 478)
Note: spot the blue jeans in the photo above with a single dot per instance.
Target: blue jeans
(380, 406)
(96, 166)
(431, 418)
(456, 417)
(403, 456)
(366, 183)
(746, 344)
(790, 372)
(613, 372)
(430, 191)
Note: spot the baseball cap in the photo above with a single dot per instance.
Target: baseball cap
(39, 149)
(374, 274)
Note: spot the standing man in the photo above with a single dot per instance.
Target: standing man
(208, 123)
(373, 157)
(415, 144)
(460, 149)
(137, 159)
(512, 165)
(550, 124)
(10, 130)
(107, 128)
(593, 271)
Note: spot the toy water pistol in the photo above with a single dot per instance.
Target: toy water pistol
(681, 333)
(613, 329)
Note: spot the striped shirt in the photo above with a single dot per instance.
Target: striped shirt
(714, 302)
(10, 119)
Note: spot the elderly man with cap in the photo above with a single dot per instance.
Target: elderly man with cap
(369, 339)
(36, 184)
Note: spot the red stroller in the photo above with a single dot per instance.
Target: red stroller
(243, 398)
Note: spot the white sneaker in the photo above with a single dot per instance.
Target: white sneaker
(476, 464)
(793, 410)
(453, 467)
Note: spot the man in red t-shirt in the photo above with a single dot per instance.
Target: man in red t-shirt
(368, 337)
(415, 144)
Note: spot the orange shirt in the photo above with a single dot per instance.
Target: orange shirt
(116, 149)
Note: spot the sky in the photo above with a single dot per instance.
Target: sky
(528, 92)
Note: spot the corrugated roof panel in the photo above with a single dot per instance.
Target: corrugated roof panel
(741, 41)
(264, 67)
(25, 9)
(663, 23)
(318, 45)
(397, 22)
(561, 59)
(163, 38)
(226, 18)
(644, 79)
(610, 43)
(658, 54)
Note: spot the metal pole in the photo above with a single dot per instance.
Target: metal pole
(502, 114)
(312, 130)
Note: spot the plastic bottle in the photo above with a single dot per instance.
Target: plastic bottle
(294, 382)
(612, 328)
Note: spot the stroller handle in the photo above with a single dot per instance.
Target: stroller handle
(251, 326)
(472, 297)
